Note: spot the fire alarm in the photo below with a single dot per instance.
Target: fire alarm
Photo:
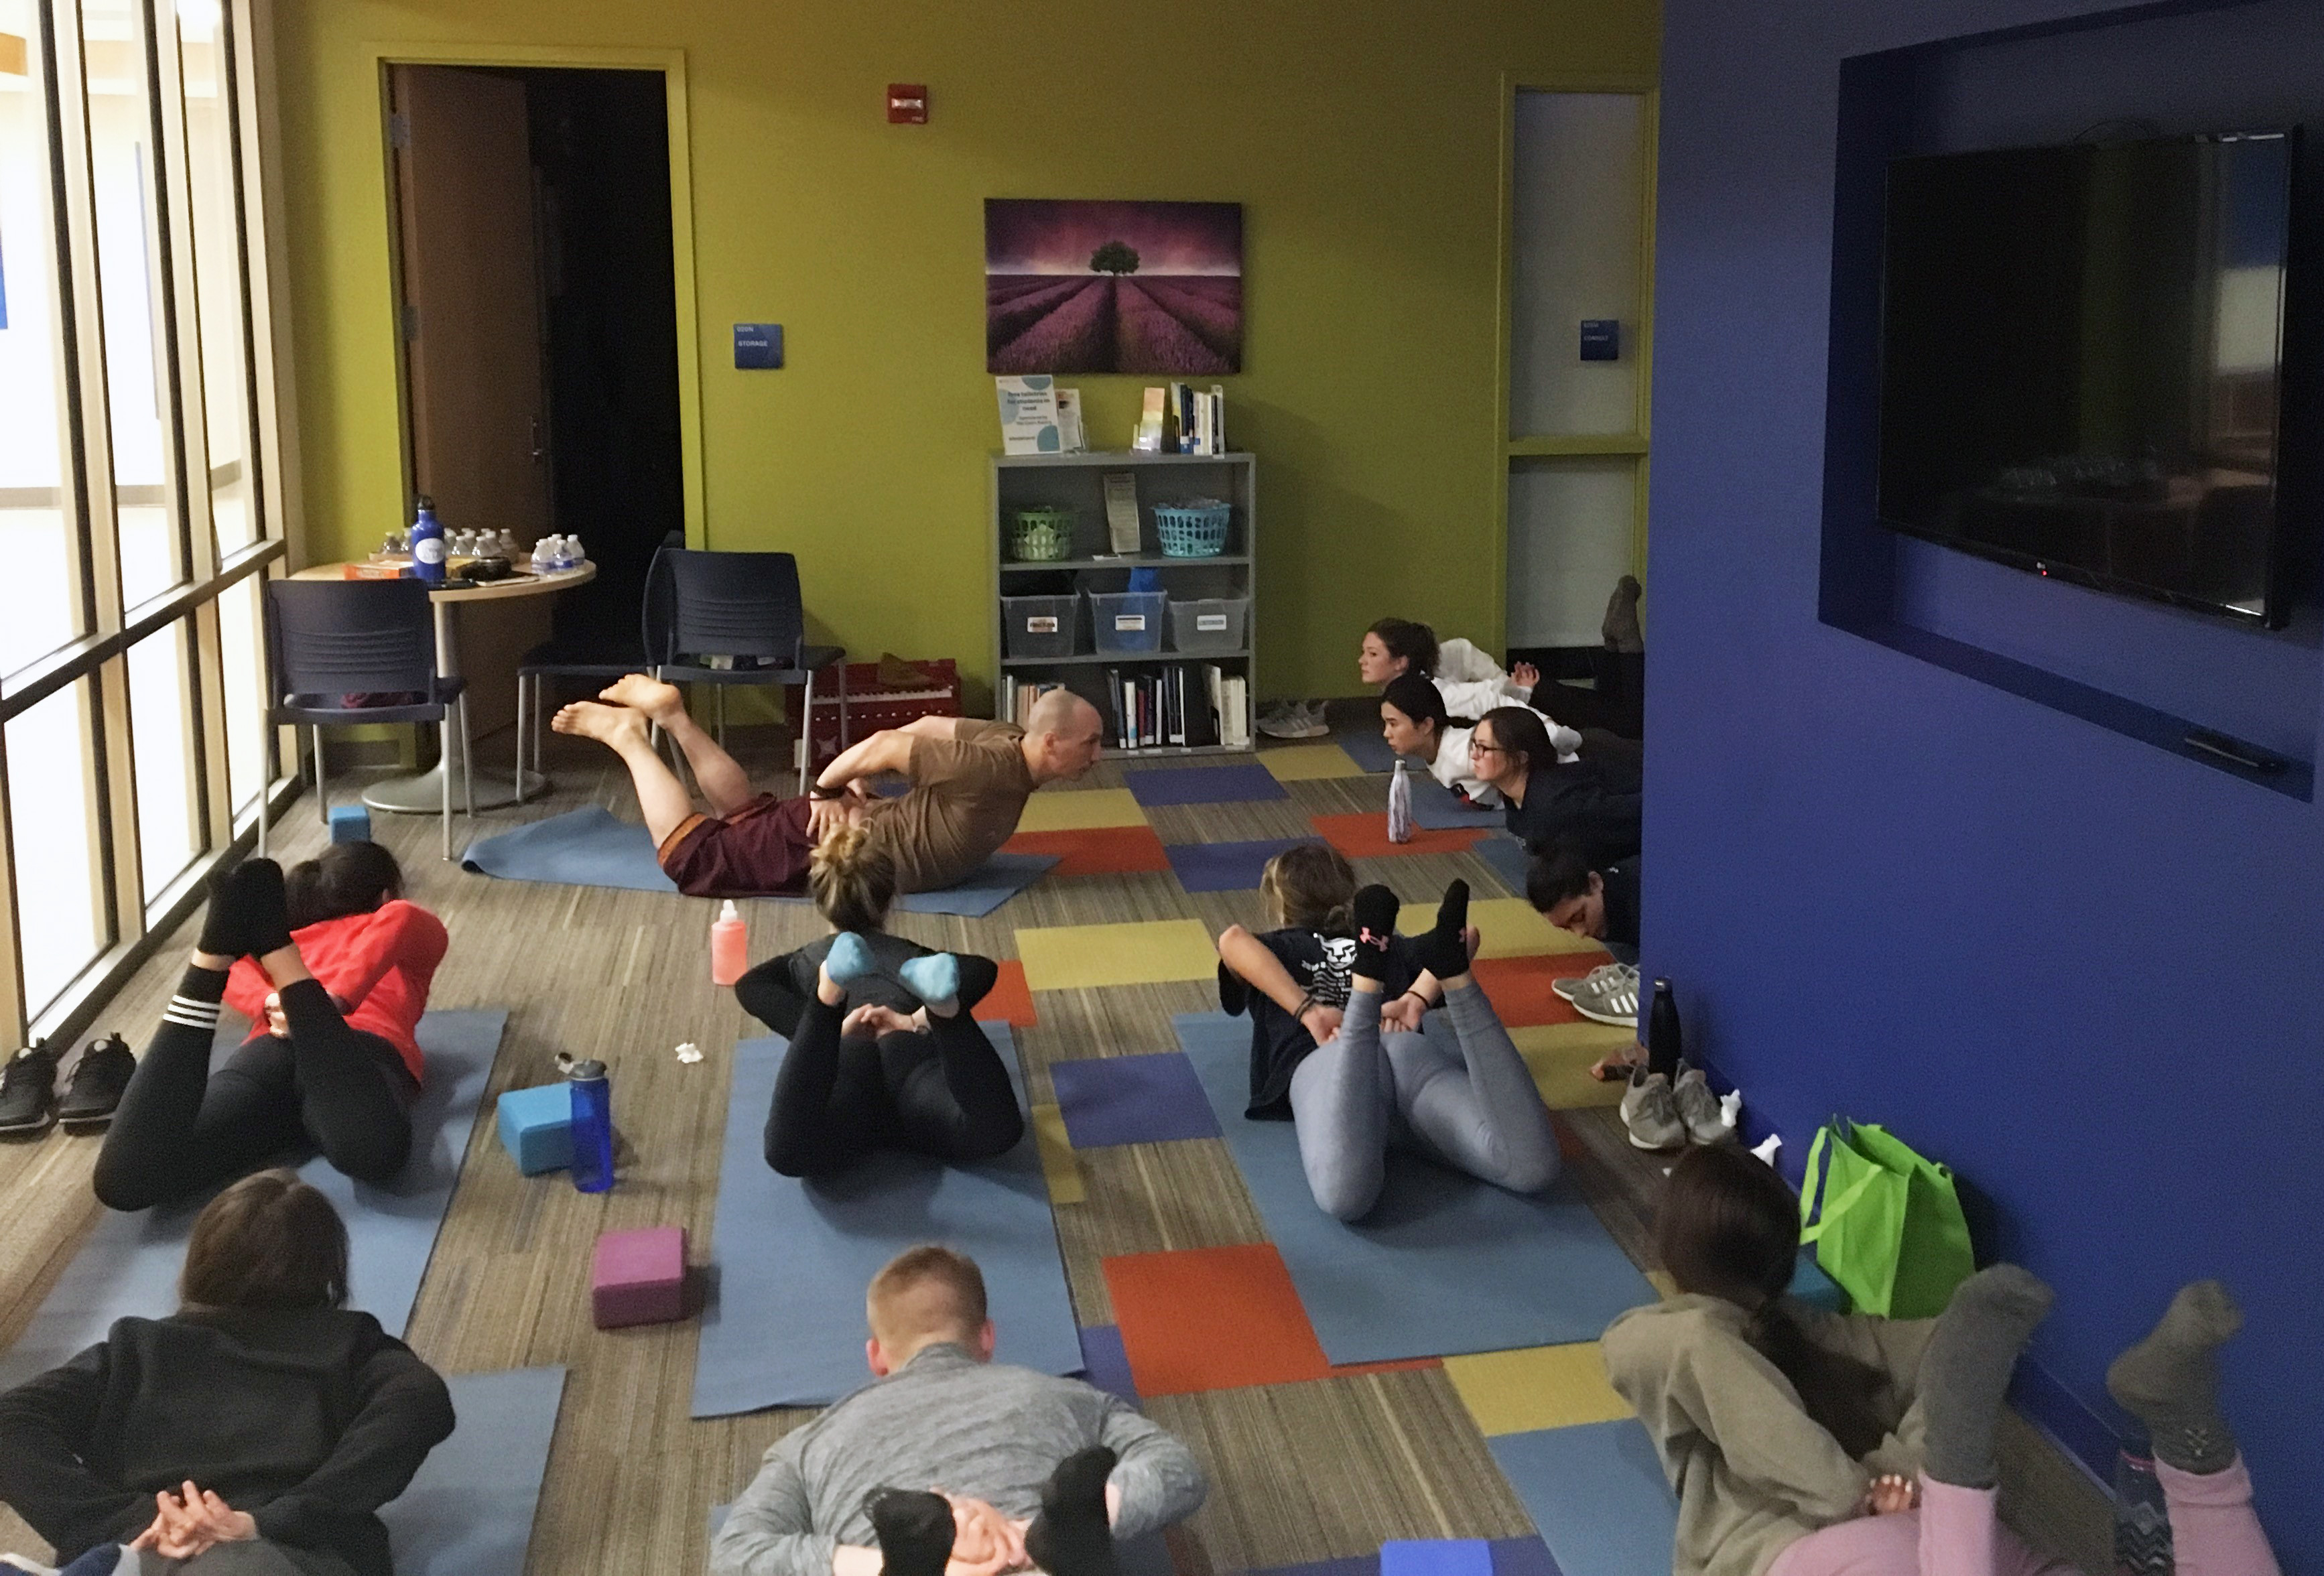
(907, 104)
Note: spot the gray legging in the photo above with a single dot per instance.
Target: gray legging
(1362, 1091)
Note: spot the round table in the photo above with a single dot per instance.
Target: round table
(422, 793)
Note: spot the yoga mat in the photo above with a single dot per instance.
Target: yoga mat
(468, 1511)
(789, 1258)
(1435, 808)
(1524, 1556)
(1436, 1557)
(1509, 857)
(591, 847)
(129, 1263)
(1363, 835)
(1365, 748)
(1443, 1264)
(1596, 1494)
(1226, 867)
(1204, 785)
(1131, 1099)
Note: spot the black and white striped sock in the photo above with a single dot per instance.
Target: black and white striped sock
(196, 1004)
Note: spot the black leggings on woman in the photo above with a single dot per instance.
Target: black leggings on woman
(944, 1094)
(181, 1128)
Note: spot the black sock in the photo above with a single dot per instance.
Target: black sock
(2171, 1380)
(1966, 1367)
(1073, 1536)
(266, 916)
(1444, 951)
(915, 1530)
(222, 925)
(1375, 917)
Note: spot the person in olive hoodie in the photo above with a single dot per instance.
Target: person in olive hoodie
(1807, 1443)
(257, 1430)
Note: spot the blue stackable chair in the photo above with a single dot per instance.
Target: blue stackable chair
(744, 606)
(329, 640)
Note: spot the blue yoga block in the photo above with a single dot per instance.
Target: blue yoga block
(1812, 1287)
(537, 1128)
(350, 823)
(1437, 1557)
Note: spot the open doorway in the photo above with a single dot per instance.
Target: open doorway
(534, 265)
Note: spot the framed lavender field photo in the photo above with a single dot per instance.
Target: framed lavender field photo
(1126, 287)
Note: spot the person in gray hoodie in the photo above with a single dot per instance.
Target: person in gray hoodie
(1806, 1444)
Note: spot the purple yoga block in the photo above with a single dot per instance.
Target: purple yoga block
(639, 1277)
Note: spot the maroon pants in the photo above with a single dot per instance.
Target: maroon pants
(760, 850)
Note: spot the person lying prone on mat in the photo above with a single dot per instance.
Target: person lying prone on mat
(1336, 999)
(1602, 904)
(1806, 1444)
(1597, 804)
(970, 781)
(1468, 683)
(263, 1418)
(333, 968)
(1033, 1469)
(883, 1051)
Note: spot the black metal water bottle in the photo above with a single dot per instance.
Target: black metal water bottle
(1662, 1049)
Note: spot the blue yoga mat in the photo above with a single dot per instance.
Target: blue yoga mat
(1203, 785)
(789, 1258)
(129, 1263)
(1508, 858)
(469, 1509)
(1225, 867)
(1435, 808)
(1597, 1494)
(1444, 1264)
(593, 847)
(1365, 748)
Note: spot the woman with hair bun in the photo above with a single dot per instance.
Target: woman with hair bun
(256, 1431)
(883, 1051)
(333, 968)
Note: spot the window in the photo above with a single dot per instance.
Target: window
(130, 650)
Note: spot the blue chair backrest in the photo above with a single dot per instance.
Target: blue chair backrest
(331, 637)
(729, 605)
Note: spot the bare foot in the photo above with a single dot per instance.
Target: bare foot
(657, 700)
(615, 725)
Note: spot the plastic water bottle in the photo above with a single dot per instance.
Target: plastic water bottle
(428, 543)
(1399, 806)
(730, 947)
(2142, 1520)
(1663, 1047)
(593, 1126)
(505, 544)
(575, 555)
(543, 552)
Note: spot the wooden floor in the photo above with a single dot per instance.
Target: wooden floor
(1302, 1472)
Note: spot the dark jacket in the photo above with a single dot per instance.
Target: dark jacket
(1597, 806)
(309, 1420)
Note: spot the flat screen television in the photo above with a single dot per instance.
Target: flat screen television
(2082, 358)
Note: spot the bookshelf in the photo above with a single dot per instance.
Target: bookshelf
(1076, 483)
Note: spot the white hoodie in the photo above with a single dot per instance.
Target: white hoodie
(1473, 684)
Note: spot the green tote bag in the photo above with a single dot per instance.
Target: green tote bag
(1890, 1230)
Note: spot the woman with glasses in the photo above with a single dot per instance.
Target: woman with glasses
(1594, 804)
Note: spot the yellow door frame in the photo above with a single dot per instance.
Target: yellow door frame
(1506, 448)
(671, 64)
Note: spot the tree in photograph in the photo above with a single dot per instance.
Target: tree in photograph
(1115, 257)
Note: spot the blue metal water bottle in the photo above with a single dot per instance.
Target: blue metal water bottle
(593, 1126)
(427, 544)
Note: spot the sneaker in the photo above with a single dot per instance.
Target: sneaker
(94, 1089)
(28, 1090)
(1705, 1116)
(1608, 994)
(1567, 986)
(1650, 1115)
(1294, 719)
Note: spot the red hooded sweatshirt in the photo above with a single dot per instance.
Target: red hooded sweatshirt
(378, 964)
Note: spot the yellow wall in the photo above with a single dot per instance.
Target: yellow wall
(1362, 137)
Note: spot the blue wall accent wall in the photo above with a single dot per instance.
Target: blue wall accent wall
(2088, 973)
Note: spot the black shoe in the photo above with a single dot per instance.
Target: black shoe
(28, 1090)
(95, 1087)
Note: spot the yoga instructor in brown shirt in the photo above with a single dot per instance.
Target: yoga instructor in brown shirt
(970, 781)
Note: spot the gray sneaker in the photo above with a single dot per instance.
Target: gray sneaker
(1566, 987)
(1608, 994)
(1650, 1115)
(1699, 1109)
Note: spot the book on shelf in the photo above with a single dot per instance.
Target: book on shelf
(1069, 422)
(1122, 511)
(1017, 696)
(1148, 439)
